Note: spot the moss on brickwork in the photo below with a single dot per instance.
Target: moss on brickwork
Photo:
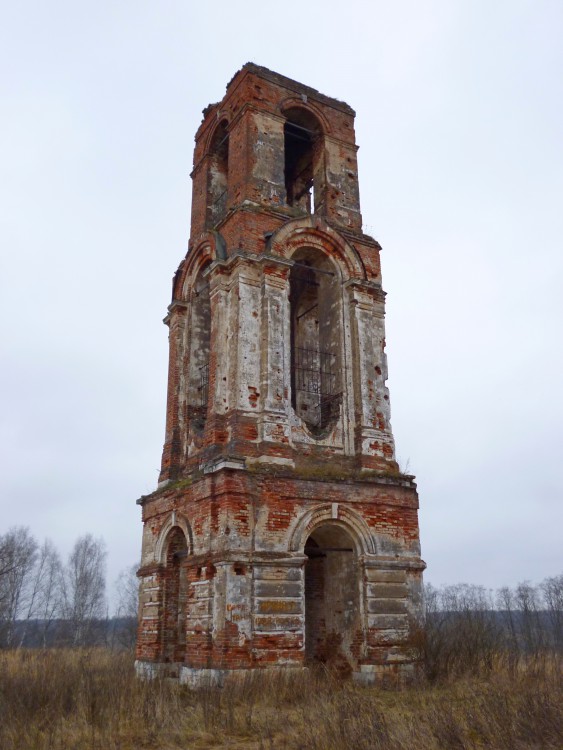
(329, 472)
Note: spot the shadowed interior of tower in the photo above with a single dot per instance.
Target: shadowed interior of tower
(331, 594)
(199, 333)
(218, 176)
(304, 181)
(316, 346)
(175, 594)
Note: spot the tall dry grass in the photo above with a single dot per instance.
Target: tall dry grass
(86, 699)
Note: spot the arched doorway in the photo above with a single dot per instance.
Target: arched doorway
(175, 597)
(332, 596)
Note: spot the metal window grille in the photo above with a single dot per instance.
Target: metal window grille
(219, 207)
(203, 385)
(198, 410)
(315, 373)
(329, 407)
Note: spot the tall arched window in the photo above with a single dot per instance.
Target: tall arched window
(316, 340)
(175, 597)
(200, 335)
(218, 176)
(304, 163)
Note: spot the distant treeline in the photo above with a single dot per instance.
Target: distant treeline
(45, 601)
(469, 628)
(112, 632)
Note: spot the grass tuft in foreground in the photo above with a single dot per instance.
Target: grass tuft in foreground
(85, 699)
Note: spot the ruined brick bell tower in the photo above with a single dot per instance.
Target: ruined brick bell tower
(282, 531)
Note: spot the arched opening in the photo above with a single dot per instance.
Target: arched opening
(218, 176)
(332, 597)
(316, 340)
(200, 336)
(304, 164)
(175, 597)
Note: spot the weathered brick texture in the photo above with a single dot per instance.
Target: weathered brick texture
(282, 530)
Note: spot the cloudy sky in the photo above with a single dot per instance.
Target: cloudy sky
(459, 120)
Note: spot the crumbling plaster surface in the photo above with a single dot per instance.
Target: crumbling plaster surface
(250, 336)
(250, 589)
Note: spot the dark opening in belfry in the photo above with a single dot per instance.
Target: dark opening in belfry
(316, 340)
(218, 176)
(304, 163)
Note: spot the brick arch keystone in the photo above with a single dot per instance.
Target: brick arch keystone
(312, 231)
(348, 519)
(295, 102)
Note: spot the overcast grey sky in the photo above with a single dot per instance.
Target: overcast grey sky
(459, 120)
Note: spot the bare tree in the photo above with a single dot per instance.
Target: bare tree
(511, 626)
(84, 587)
(127, 589)
(127, 606)
(463, 628)
(527, 599)
(44, 600)
(552, 590)
(18, 552)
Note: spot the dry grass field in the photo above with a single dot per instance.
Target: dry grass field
(86, 699)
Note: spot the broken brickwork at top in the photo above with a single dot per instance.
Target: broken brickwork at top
(275, 137)
(278, 467)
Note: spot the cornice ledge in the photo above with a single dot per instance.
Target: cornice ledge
(175, 306)
(379, 562)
